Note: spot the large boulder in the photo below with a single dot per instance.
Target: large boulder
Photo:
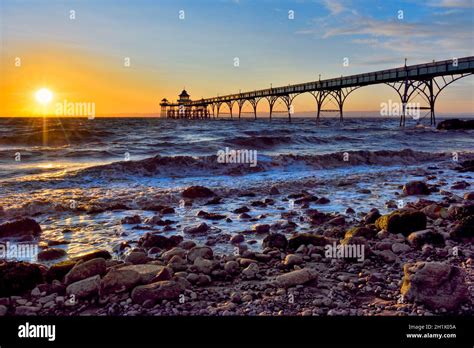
(294, 278)
(434, 284)
(150, 240)
(162, 290)
(85, 287)
(51, 254)
(275, 240)
(415, 188)
(419, 238)
(85, 270)
(17, 277)
(402, 221)
(59, 270)
(455, 123)
(118, 280)
(294, 242)
(463, 228)
(20, 228)
(197, 192)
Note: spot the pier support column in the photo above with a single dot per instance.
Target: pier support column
(271, 103)
(240, 103)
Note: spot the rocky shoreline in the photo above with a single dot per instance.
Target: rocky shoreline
(416, 260)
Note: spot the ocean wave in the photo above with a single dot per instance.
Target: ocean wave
(54, 137)
(189, 166)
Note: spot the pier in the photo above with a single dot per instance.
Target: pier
(425, 80)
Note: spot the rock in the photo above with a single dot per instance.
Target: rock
(203, 265)
(399, 248)
(118, 280)
(197, 192)
(360, 232)
(163, 290)
(294, 278)
(59, 270)
(150, 240)
(250, 272)
(178, 264)
(237, 239)
(137, 257)
(3, 310)
(460, 211)
(402, 221)
(261, 228)
(274, 191)
(210, 216)
(460, 185)
(293, 259)
(51, 254)
(387, 256)
(85, 270)
(147, 272)
(435, 211)
(232, 267)
(415, 188)
(17, 277)
(166, 273)
(463, 228)
(275, 240)
(85, 287)
(135, 219)
(337, 221)
(322, 200)
(466, 166)
(435, 284)
(104, 254)
(294, 242)
(26, 310)
(197, 229)
(175, 251)
(469, 196)
(204, 252)
(371, 216)
(20, 228)
(420, 238)
(455, 124)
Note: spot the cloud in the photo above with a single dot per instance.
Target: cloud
(452, 3)
(334, 6)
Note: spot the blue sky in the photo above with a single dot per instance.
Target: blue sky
(199, 51)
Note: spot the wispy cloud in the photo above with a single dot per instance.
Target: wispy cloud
(452, 3)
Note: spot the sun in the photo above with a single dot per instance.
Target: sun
(43, 96)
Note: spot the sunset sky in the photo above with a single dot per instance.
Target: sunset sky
(82, 59)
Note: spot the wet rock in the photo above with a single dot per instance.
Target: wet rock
(466, 166)
(294, 242)
(244, 216)
(317, 217)
(197, 251)
(298, 277)
(460, 185)
(178, 264)
(85, 270)
(241, 210)
(463, 228)
(104, 254)
(137, 257)
(237, 239)
(360, 232)
(27, 310)
(136, 219)
(469, 196)
(118, 280)
(371, 216)
(197, 229)
(434, 284)
(420, 238)
(455, 124)
(150, 240)
(400, 248)
(85, 287)
(3, 310)
(163, 290)
(460, 211)
(435, 211)
(210, 216)
(166, 273)
(402, 221)
(261, 228)
(322, 200)
(175, 251)
(274, 191)
(17, 277)
(59, 270)
(415, 188)
(337, 221)
(350, 211)
(275, 240)
(51, 254)
(197, 192)
(20, 228)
